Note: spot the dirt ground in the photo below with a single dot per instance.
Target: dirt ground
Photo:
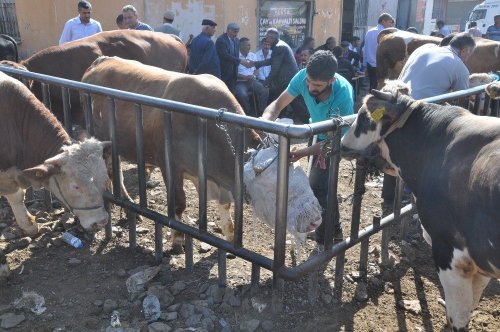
(82, 287)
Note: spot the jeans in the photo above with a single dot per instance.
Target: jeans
(243, 91)
(318, 180)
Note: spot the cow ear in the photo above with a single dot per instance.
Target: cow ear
(382, 95)
(40, 174)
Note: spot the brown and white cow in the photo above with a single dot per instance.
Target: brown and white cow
(70, 60)
(395, 46)
(202, 90)
(450, 159)
(36, 151)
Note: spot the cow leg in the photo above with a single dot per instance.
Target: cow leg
(226, 223)
(457, 283)
(4, 268)
(24, 219)
(180, 206)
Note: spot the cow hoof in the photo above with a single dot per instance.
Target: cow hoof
(177, 249)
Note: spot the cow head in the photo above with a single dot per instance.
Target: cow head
(78, 177)
(493, 90)
(381, 113)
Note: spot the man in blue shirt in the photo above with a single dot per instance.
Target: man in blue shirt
(493, 31)
(80, 26)
(326, 95)
(203, 58)
(131, 20)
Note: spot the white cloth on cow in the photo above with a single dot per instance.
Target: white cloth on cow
(260, 178)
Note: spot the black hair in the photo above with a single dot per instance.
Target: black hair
(244, 39)
(84, 5)
(462, 40)
(385, 17)
(119, 19)
(322, 66)
(337, 51)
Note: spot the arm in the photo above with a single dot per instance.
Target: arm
(297, 154)
(66, 34)
(273, 110)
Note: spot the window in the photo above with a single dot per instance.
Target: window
(477, 15)
(8, 19)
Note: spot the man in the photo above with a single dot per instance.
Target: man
(264, 53)
(326, 95)
(283, 64)
(131, 20)
(352, 56)
(370, 51)
(308, 44)
(119, 22)
(228, 50)
(493, 31)
(247, 83)
(330, 43)
(355, 45)
(443, 29)
(473, 30)
(80, 26)
(167, 27)
(345, 68)
(305, 54)
(203, 57)
(431, 71)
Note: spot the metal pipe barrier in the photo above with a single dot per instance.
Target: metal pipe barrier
(286, 133)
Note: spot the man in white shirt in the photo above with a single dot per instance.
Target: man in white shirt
(248, 84)
(370, 51)
(80, 26)
(262, 54)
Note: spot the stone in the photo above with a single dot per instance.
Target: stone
(10, 320)
(216, 292)
(159, 327)
(375, 282)
(169, 316)
(74, 261)
(250, 325)
(178, 287)
(142, 230)
(412, 306)
(57, 242)
(204, 247)
(203, 288)
(194, 320)
(207, 324)
(162, 293)
(267, 325)
(361, 293)
(121, 273)
(327, 298)
(109, 305)
(186, 310)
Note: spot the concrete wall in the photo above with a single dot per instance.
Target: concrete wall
(41, 22)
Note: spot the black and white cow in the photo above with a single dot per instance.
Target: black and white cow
(450, 159)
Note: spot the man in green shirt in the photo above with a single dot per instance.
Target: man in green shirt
(326, 95)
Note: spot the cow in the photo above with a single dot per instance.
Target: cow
(70, 60)
(474, 81)
(203, 90)
(8, 48)
(37, 151)
(450, 159)
(395, 46)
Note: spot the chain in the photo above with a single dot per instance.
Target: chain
(223, 126)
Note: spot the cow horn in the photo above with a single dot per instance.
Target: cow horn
(382, 95)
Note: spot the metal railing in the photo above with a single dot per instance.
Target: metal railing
(286, 133)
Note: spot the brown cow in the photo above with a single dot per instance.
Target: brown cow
(36, 151)
(202, 90)
(395, 46)
(70, 60)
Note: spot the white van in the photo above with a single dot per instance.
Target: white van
(483, 14)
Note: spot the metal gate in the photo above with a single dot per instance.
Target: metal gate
(277, 265)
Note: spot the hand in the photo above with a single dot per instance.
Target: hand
(296, 154)
(247, 63)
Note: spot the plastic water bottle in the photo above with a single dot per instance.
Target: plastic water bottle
(151, 308)
(72, 240)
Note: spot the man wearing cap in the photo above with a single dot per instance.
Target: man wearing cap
(228, 50)
(167, 27)
(203, 58)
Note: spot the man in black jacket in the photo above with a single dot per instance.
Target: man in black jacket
(282, 62)
(228, 50)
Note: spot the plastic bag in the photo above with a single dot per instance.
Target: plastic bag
(260, 178)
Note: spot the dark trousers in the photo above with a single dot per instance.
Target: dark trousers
(318, 180)
(245, 90)
(372, 76)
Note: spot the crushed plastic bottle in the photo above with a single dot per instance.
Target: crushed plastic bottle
(72, 240)
(151, 308)
(115, 319)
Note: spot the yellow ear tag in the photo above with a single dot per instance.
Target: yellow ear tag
(39, 174)
(378, 114)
